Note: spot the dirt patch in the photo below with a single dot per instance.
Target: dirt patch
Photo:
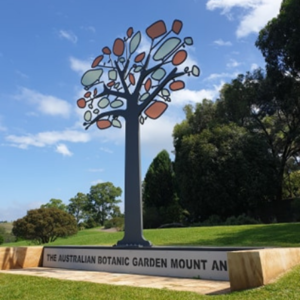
(113, 229)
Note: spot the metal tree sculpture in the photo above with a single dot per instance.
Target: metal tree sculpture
(135, 90)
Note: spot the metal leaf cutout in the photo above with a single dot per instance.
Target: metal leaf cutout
(156, 109)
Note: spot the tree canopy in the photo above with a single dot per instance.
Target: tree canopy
(102, 200)
(45, 225)
(159, 196)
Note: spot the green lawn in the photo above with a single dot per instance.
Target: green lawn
(15, 287)
(276, 235)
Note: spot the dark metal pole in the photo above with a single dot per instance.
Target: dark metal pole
(133, 236)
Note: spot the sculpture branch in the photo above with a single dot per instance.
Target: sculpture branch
(115, 113)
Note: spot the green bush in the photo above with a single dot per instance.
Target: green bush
(296, 209)
(241, 220)
(213, 220)
(1, 239)
(117, 222)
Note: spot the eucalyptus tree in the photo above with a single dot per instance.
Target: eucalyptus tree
(135, 85)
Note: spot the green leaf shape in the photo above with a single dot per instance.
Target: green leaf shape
(144, 96)
(87, 116)
(195, 71)
(142, 120)
(135, 42)
(138, 69)
(104, 102)
(165, 92)
(166, 48)
(112, 74)
(189, 41)
(91, 76)
(159, 74)
(117, 103)
(116, 123)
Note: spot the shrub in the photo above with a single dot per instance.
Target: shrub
(45, 225)
(213, 220)
(117, 222)
(1, 239)
(296, 209)
(240, 220)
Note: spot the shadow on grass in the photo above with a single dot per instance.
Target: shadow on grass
(275, 235)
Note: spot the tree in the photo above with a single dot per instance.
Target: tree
(279, 41)
(102, 201)
(132, 90)
(78, 207)
(55, 203)
(269, 113)
(159, 196)
(45, 225)
(221, 169)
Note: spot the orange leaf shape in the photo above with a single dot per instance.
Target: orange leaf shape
(179, 57)
(156, 109)
(131, 78)
(156, 29)
(177, 85)
(139, 57)
(81, 103)
(176, 27)
(129, 32)
(118, 47)
(111, 83)
(103, 124)
(148, 84)
(97, 61)
(106, 50)
(87, 94)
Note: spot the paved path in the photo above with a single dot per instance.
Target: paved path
(178, 284)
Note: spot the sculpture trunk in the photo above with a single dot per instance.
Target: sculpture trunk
(133, 235)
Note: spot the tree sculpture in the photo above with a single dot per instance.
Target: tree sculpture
(135, 85)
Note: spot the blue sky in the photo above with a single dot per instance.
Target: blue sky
(46, 46)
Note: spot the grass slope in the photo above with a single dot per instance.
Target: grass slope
(15, 287)
(281, 235)
(274, 235)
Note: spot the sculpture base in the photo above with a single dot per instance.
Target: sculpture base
(187, 262)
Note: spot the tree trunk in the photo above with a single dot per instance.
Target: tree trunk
(133, 236)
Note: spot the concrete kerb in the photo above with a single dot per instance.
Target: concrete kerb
(247, 269)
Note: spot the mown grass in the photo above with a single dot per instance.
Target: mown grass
(276, 235)
(273, 235)
(15, 287)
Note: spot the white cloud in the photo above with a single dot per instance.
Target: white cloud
(95, 170)
(47, 138)
(254, 15)
(63, 149)
(95, 182)
(254, 67)
(183, 97)
(80, 66)
(232, 63)
(68, 35)
(156, 135)
(107, 150)
(46, 104)
(220, 42)
(2, 127)
(215, 76)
